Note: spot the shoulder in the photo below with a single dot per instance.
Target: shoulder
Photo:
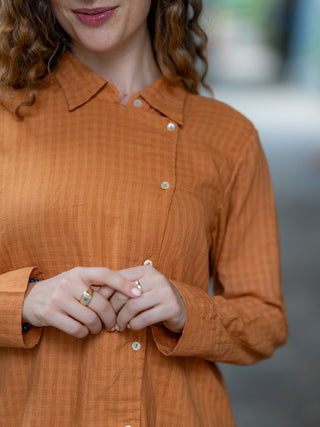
(216, 115)
(30, 103)
(219, 125)
(212, 109)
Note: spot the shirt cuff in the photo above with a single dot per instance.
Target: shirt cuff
(191, 341)
(13, 286)
(240, 331)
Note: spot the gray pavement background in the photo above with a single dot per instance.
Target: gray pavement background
(284, 391)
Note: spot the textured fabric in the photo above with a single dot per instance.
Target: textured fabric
(81, 185)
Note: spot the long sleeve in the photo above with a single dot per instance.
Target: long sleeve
(245, 320)
(13, 286)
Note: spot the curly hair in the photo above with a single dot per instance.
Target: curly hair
(32, 41)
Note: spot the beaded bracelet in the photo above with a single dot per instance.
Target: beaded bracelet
(26, 326)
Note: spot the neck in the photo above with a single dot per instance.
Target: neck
(130, 68)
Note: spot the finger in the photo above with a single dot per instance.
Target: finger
(134, 273)
(83, 314)
(147, 318)
(68, 325)
(104, 291)
(135, 306)
(102, 307)
(104, 276)
(117, 301)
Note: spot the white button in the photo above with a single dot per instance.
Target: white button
(136, 346)
(171, 127)
(137, 102)
(148, 262)
(165, 185)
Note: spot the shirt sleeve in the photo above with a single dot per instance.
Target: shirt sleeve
(13, 286)
(245, 320)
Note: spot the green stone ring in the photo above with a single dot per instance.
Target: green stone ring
(86, 297)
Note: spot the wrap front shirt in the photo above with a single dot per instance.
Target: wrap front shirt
(172, 179)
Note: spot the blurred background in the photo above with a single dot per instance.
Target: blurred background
(265, 61)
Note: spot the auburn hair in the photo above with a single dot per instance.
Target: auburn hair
(32, 41)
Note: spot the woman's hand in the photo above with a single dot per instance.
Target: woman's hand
(159, 302)
(56, 301)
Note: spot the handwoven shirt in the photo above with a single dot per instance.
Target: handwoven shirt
(173, 180)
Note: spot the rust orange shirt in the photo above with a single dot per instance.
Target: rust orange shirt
(173, 178)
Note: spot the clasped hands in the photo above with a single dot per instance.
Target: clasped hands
(114, 306)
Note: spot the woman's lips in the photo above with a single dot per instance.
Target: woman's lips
(95, 16)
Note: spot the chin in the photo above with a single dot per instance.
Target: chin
(97, 47)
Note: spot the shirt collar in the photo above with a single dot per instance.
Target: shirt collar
(169, 100)
(80, 84)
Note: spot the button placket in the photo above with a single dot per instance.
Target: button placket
(136, 347)
(171, 127)
(165, 147)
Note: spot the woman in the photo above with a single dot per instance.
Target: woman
(122, 191)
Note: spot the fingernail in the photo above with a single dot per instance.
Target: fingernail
(116, 327)
(128, 326)
(112, 329)
(136, 292)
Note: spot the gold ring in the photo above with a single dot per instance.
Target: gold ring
(138, 285)
(86, 297)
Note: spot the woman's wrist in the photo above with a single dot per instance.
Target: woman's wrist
(25, 325)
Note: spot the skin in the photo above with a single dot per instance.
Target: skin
(160, 302)
(119, 50)
(55, 301)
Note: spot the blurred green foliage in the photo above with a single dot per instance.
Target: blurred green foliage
(258, 11)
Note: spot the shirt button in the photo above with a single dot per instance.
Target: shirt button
(136, 346)
(171, 127)
(137, 102)
(165, 185)
(148, 262)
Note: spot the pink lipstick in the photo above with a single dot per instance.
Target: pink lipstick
(96, 16)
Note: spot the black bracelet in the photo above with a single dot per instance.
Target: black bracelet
(26, 326)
